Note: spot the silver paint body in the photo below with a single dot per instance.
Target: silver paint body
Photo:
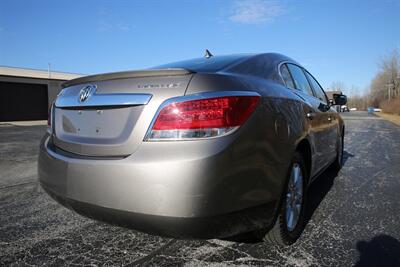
(100, 155)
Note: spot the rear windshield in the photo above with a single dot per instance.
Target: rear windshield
(211, 64)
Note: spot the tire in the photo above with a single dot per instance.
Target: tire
(338, 163)
(283, 232)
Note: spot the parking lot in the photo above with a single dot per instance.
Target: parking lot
(354, 216)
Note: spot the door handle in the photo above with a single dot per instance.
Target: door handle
(310, 115)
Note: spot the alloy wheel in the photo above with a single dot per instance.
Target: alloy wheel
(294, 197)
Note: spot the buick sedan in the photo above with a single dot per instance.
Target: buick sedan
(207, 147)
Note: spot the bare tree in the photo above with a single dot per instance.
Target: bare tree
(386, 83)
(337, 86)
(385, 86)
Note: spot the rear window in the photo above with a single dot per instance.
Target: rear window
(300, 79)
(287, 77)
(212, 64)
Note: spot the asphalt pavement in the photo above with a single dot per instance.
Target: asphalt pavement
(354, 216)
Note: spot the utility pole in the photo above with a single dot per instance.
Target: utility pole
(396, 88)
(389, 86)
(48, 70)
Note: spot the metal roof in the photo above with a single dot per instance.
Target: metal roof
(38, 74)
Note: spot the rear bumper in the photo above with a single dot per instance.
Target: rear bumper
(201, 194)
(223, 225)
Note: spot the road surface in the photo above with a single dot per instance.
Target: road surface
(354, 217)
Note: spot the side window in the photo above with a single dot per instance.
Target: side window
(300, 79)
(317, 88)
(287, 78)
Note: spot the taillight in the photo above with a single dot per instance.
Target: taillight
(202, 118)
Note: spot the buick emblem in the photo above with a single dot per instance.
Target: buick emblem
(86, 92)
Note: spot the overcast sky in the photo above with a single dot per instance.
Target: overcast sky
(334, 40)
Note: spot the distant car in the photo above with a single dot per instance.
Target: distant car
(208, 147)
(372, 110)
(353, 109)
(344, 108)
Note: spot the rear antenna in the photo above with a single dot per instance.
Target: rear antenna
(208, 54)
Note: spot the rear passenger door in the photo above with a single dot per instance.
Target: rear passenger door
(316, 115)
(332, 134)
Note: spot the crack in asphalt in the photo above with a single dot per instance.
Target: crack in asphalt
(143, 260)
(15, 185)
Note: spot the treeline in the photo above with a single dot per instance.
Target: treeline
(384, 91)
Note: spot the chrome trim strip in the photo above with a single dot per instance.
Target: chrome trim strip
(280, 73)
(197, 96)
(232, 130)
(95, 100)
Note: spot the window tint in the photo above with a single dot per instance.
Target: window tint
(317, 88)
(300, 79)
(286, 77)
(203, 64)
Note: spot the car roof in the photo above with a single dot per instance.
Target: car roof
(221, 62)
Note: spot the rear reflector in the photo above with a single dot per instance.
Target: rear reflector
(202, 118)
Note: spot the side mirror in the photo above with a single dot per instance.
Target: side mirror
(339, 99)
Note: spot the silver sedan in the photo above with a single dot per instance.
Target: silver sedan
(208, 147)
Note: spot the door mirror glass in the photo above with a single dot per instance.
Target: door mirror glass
(339, 99)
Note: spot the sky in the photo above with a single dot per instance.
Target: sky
(335, 40)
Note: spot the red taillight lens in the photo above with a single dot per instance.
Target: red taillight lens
(203, 117)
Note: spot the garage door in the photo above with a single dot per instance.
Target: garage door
(23, 101)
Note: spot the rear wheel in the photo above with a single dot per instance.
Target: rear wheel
(291, 218)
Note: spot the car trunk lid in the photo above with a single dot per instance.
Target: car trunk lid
(109, 114)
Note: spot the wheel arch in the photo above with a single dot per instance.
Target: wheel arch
(304, 147)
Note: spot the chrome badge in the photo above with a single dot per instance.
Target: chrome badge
(86, 92)
(165, 85)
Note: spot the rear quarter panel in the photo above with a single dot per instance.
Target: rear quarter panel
(277, 126)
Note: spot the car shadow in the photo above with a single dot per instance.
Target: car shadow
(382, 250)
(346, 157)
(320, 187)
(318, 190)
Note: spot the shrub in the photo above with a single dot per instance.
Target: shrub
(392, 106)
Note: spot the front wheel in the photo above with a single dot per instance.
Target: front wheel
(291, 218)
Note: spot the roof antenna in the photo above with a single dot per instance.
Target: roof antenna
(208, 54)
